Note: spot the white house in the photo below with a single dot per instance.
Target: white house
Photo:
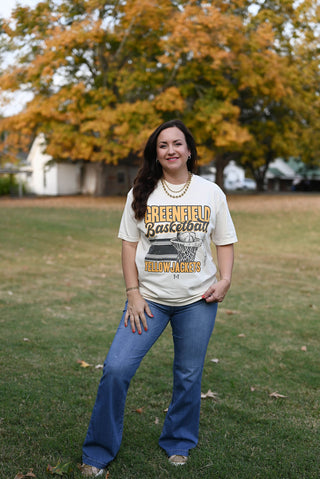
(52, 178)
(49, 177)
(279, 167)
(280, 176)
(233, 176)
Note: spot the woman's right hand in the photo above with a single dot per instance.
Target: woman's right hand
(137, 309)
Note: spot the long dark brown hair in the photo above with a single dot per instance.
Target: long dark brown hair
(151, 170)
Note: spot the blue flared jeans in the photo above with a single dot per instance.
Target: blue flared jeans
(192, 326)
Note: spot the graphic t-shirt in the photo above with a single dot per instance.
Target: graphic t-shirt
(173, 257)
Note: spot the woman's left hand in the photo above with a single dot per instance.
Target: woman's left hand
(217, 291)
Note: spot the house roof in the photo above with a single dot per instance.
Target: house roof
(304, 169)
(275, 172)
(12, 170)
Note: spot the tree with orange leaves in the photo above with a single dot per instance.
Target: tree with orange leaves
(244, 79)
(104, 74)
(86, 68)
(278, 102)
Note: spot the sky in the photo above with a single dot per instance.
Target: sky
(18, 99)
(7, 5)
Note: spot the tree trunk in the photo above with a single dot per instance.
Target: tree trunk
(260, 173)
(101, 179)
(221, 162)
(260, 184)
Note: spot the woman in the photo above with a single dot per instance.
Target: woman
(170, 218)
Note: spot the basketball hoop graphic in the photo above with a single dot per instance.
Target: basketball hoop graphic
(186, 245)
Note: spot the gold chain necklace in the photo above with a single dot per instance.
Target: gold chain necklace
(175, 191)
(182, 191)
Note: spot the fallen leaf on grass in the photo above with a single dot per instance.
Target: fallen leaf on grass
(214, 360)
(303, 348)
(209, 394)
(25, 476)
(60, 468)
(156, 421)
(229, 311)
(252, 389)
(99, 366)
(139, 410)
(242, 335)
(83, 364)
(276, 395)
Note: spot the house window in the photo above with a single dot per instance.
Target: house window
(120, 177)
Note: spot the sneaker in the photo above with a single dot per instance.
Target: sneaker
(91, 471)
(178, 460)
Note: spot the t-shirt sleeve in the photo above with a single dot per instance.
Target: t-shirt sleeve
(224, 232)
(129, 230)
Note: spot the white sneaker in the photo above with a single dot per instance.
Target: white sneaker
(91, 471)
(178, 460)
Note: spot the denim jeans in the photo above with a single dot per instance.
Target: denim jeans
(192, 326)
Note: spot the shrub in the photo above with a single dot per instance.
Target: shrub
(10, 186)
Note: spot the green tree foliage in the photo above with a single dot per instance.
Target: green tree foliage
(244, 77)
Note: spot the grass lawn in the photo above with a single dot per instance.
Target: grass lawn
(61, 297)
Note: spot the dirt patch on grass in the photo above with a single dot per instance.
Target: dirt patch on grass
(268, 202)
(108, 202)
(237, 202)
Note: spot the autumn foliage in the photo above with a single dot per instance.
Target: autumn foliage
(244, 77)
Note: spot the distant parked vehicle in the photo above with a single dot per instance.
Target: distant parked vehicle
(247, 184)
(209, 176)
(243, 184)
(232, 183)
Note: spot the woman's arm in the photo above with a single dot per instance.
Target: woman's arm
(129, 268)
(137, 305)
(217, 291)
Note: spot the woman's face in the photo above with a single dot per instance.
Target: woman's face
(172, 151)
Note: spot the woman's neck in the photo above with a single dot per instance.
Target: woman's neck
(176, 178)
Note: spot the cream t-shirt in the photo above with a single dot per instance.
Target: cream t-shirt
(173, 257)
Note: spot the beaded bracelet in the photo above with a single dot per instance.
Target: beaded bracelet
(131, 289)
